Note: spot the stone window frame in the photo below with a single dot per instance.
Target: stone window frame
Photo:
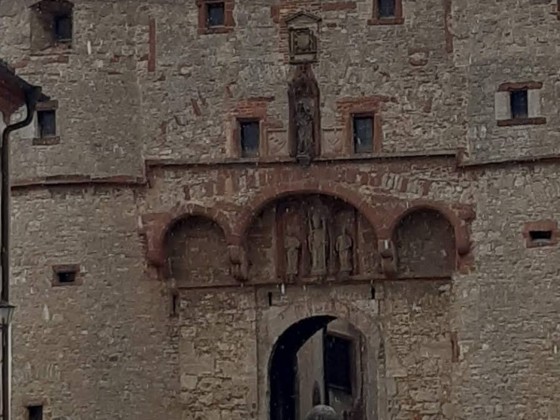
(62, 268)
(360, 109)
(251, 109)
(503, 104)
(33, 402)
(398, 19)
(47, 140)
(236, 136)
(375, 131)
(229, 23)
(541, 225)
(238, 139)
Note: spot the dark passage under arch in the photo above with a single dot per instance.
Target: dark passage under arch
(283, 365)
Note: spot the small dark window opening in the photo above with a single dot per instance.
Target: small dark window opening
(519, 104)
(47, 123)
(63, 28)
(66, 277)
(363, 134)
(249, 138)
(540, 235)
(35, 412)
(386, 8)
(338, 363)
(215, 14)
(174, 304)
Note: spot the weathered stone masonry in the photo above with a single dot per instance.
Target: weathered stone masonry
(184, 286)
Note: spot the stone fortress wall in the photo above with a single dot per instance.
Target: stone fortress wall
(183, 283)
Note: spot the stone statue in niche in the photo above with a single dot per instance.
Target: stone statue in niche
(317, 242)
(343, 246)
(292, 246)
(305, 120)
(304, 123)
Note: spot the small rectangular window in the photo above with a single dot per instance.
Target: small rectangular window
(519, 104)
(362, 131)
(47, 123)
(338, 362)
(541, 236)
(66, 275)
(63, 28)
(249, 138)
(35, 412)
(386, 8)
(215, 14)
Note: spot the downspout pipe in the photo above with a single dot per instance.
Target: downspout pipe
(32, 96)
(31, 99)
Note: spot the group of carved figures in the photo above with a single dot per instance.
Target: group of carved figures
(317, 243)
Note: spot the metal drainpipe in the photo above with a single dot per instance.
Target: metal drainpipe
(31, 98)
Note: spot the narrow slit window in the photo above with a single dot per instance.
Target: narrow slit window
(386, 8)
(215, 14)
(47, 123)
(362, 134)
(338, 362)
(35, 412)
(519, 104)
(63, 28)
(249, 138)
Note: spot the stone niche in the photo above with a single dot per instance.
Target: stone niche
(425, 242)
(197, 253)
(310, 238)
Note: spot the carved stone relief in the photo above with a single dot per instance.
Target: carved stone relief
(303, 29)
(317, 242)
(344, 246)
(292, 246)
(317, 238)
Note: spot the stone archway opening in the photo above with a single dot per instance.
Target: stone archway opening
(317, 360)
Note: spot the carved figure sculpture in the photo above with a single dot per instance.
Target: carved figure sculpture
(343, 247)
(292, 246)
(322, 412)
(304, 123)
(318, 245)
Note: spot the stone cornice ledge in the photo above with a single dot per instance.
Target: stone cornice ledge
(79, 180)
(474, 164)
(142, 181)
(164, 162)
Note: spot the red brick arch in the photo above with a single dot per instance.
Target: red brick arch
(277, 192)
(159, 225)
(462, 241)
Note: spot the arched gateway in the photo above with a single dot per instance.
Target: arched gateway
(317, 319)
